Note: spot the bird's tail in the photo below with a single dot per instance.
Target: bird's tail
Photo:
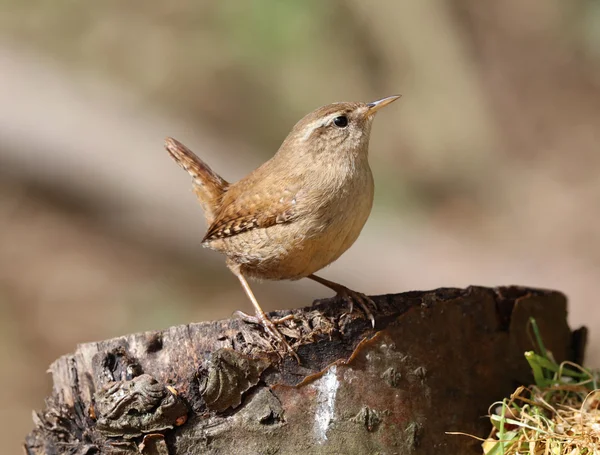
(208, 185)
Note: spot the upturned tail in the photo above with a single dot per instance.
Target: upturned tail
(208, 185)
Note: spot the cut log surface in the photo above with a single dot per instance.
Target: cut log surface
(433, 364)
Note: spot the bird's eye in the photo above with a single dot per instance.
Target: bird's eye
(341, 121)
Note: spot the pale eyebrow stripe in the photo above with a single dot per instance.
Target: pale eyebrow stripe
(319, 123)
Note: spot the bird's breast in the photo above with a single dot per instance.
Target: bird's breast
(330, 221)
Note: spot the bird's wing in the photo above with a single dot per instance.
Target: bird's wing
(253, 210)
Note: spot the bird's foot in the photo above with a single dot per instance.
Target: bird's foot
(350, 297)
(270, 326)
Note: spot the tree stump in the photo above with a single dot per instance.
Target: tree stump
(434, 363)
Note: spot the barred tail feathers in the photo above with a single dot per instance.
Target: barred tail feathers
(208, 185)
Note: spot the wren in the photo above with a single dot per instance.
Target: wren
(299, 211)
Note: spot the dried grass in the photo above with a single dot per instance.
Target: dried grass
(558, 415)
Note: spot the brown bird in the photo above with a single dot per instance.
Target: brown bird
(299, 211)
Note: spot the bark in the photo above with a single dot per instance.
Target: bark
(434, 363)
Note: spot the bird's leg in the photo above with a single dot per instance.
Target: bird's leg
(261, 317)
(349, 296)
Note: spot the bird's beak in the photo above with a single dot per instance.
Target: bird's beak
(376, 105)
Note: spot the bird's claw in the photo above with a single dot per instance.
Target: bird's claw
(270, 326)
(363, 300)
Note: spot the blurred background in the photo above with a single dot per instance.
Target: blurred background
(487, 170)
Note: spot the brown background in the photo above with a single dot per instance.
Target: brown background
(487, 171)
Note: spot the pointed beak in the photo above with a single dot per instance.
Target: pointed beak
(376, 105)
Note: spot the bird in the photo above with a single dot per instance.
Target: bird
(299, 211)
